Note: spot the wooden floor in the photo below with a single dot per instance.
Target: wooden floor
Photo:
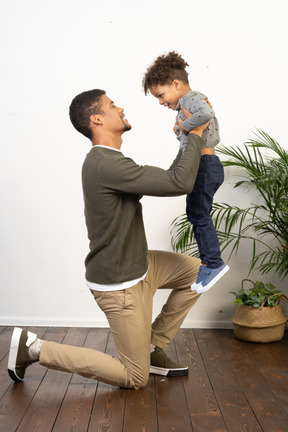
(232, 386)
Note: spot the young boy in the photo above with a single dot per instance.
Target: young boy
(167, 80)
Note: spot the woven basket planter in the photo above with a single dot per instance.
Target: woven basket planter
(263, 325)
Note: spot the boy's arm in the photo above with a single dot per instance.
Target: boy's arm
(201, 113)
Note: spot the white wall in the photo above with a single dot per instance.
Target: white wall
(51, 51)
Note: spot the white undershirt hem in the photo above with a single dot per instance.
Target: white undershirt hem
(114, 287)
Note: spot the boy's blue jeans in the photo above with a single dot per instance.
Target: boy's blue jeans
(198, 208)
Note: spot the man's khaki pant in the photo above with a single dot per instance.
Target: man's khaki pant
(129, 313)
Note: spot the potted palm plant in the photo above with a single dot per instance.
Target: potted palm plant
(259, 316)
(263, 167)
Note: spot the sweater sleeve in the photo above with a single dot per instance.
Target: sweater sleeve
(176, 160)
(202, 113)
(123, 175)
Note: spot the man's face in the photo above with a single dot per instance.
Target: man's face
(114, 116)
(168, 94)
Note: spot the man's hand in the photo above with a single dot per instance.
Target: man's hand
(186, 112)
(199, 129)
(209, 104)
(175, 129)
(180, 121)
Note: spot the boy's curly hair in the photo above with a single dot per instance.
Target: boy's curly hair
(164, 70)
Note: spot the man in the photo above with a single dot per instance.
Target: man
(120, 271)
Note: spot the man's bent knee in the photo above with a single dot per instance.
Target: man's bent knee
(139, 384)
(138, 381)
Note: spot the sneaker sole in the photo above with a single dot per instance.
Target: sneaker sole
(194, 286)
(216, 279)
(13, 354)
(168, 372)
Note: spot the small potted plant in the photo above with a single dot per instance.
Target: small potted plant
(259, 316)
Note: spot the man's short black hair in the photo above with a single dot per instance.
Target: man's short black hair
(82, 107)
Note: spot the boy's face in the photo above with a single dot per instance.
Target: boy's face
(168, 94)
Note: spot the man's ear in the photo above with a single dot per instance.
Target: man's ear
(96, 119)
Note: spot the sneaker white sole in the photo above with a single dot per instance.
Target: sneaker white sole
(13, 353)
(169, 372)
(195, 286)
(201, 289)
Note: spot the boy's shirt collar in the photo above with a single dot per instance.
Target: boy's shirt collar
(182, 99)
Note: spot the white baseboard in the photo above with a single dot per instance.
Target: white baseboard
(40, 322)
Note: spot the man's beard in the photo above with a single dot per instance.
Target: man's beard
(126, 127)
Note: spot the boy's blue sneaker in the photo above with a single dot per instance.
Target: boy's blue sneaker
(199, 278)
(210, 276)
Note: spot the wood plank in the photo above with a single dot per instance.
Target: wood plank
(257, 399)
(219, 370)
(76, 408)
(124, 409)
(173, 412)
(267, 409)
(203, 406)
(16, 403)
(140, 409)
(235, 409)
(280, 351)
(109, 406)
(237, 412)
(44, 407)
(74, 414)
(271, 370)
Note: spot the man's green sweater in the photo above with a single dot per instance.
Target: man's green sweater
(113, 186)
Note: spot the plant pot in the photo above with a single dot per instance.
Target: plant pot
(266, 324)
